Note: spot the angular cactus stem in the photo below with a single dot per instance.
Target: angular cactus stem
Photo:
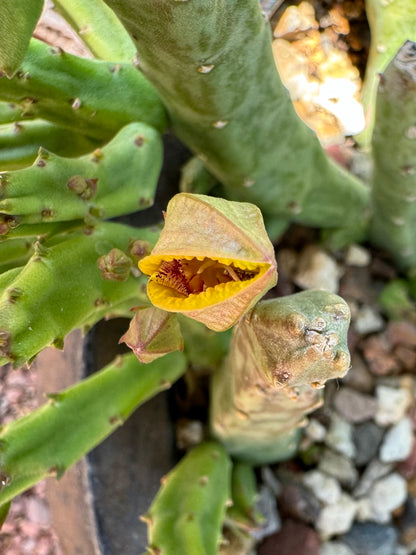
(120, 178)
(89, 96)
(9, 112)
(212, 63)
(15, 252)
(51, 439)
(99, 28)
(61, 288)
(187, 513)
(17, 23)
(243, 513)
(391, 23)
(280, 357)
(20, 142)
(394, 152)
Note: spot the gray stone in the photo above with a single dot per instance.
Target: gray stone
(368, 320)
(367, 439)
(338, 467)
(359, 377)
(340, 436)
(354, 406)
(324, 487)
(392, 404)
(374, 471)
(407, 522)
(335, 548)
(388, 493)
(370, 538)
(266, 505)
(336, 518)
(398, 442)
(299, 502)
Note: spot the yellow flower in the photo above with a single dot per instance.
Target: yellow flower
(212, 262)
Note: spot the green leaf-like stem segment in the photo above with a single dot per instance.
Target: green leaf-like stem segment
(61, 288)
(118, 179)
(99, 29)
(88, 96)
(187, 514)
(51, 439)
(212, 64)
(17, 23)
(394, 150)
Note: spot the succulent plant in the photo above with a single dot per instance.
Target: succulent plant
(80, 143)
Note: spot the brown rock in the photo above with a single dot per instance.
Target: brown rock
(358, 376)
(407, 468)
(406, 357)
(293, 538)
(378, 355)
(407, 522)
(298, 502)
(401, 333)
(354, 406)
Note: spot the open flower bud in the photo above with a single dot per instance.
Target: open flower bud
(212, 262)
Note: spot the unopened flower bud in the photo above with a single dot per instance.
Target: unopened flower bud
(115, 265)
(152, 334)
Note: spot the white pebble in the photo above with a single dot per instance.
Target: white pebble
(317, 270)
(367, 320)
(324, 487)
(340, 436)
(392, 404)
(315, 430)
(398, 442)
(336, 518)
(357, 256)
(335, 548)
(388, 494)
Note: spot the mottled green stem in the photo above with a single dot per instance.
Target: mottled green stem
(187, 514)
(99, 28)
(61, 288)
(394, 152)
(15, 252)
(118, 179)
(20, 142)
(391, 23)
(281, 354)
(9, 112)
(52, 438)
(17, 23)
(212, 63)
(88, 96)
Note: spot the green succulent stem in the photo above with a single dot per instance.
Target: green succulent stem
(20, 142)
(394, 178)
(88, 96)
(281, 355)
(187, 514)
(17, 23)
(212, 64)
(391, 23)
(118, 179)
(15, 252)
(99, 29)
(61, 288)
(52, 438)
